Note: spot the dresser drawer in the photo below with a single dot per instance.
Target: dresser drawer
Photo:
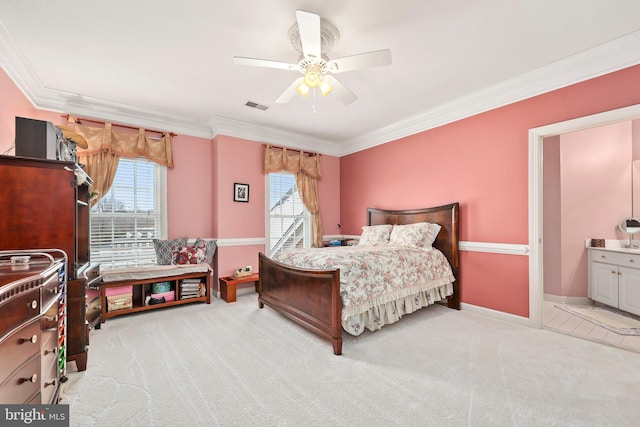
(50, 290)
(618, 258)
(49, 369)
(23, 384)
(19, 310)
(19, 346)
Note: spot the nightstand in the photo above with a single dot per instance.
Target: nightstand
(229, 284)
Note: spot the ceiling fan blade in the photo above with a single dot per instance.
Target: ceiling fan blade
(376, 58)
(290, 92)
(240, 60)
(309, 27)
(340, 90)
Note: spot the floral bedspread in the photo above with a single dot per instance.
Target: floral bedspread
(372, 276)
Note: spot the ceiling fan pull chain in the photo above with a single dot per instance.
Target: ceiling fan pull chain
(313, 107)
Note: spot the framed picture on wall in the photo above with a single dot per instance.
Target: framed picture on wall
(240, 192)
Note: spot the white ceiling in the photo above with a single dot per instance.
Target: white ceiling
(168, 64)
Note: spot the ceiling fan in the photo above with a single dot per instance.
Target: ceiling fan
(313, 38)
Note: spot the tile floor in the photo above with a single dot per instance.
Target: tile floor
(561, 321)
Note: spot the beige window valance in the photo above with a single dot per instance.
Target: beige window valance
(293, 161)
(106, 146)
(306, 168)
(123, 144)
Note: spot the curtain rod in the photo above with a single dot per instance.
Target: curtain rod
(291, 149)
(79, 121)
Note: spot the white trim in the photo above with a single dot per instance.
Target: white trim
(609, 57)
(494, 248)
(248, 241)
(499, 315)
(260, 133)
(536, 136)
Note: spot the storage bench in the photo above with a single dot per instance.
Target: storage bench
(129, 290)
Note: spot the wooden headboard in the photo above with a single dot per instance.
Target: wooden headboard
(446, 216)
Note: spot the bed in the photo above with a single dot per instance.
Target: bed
(313, 297)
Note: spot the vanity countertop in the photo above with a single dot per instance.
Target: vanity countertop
(617, 246)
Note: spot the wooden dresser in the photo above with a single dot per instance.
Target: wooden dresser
(32, 327)
(43, 206)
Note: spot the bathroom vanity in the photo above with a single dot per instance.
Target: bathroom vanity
(614, 277)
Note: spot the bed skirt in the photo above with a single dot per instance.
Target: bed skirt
(390, 312)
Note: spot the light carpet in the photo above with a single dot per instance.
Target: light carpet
(237, 365)
(608, 319)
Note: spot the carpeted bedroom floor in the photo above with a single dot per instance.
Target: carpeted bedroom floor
(236, 365)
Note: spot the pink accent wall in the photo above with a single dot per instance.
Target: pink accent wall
(481, 162)
(240, 160)
(190, 184)
(552, 215)
(595, 182)
(13, 103)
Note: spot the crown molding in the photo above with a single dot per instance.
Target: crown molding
(612, 56)
(251, 131)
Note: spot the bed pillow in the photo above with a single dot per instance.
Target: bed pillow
(188, 254)
(375, 235)
(164, 249)
(418, 235)
(209, 248)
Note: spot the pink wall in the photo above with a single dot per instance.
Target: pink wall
(552, 215)
(14, 104)
(190, 184)
(241, 160)
(200, 186)
(595, 182)
(481, 162)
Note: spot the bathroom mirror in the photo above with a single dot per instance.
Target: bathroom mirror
(630, 226)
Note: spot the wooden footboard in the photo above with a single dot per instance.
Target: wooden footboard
(310, 298)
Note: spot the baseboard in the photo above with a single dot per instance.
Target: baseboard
(507, 317)
(559, 299)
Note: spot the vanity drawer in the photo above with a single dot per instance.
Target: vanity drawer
(618, 258)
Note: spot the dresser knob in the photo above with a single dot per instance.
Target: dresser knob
(53, 382)
(33, 304)
(53, 350)
(603, 256)
(32, 379)
(632, 260)
(32, 340)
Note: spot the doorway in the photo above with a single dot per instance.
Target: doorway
(536, 137)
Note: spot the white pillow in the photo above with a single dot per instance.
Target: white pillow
(419, 235)
(375, 235)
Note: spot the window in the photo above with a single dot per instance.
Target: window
(125, 221)
(288, 222)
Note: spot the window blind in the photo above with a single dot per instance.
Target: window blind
(288, 219)
(125, 221)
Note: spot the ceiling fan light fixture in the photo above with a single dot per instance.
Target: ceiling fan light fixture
(303, 89)
(312, 76)
(325, 87)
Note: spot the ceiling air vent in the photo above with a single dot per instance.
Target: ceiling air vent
(256, 105)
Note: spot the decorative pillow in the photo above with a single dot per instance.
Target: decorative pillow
(209, 248)
(164, 249)
(375, 235)
(188, 254)
(419, 235)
